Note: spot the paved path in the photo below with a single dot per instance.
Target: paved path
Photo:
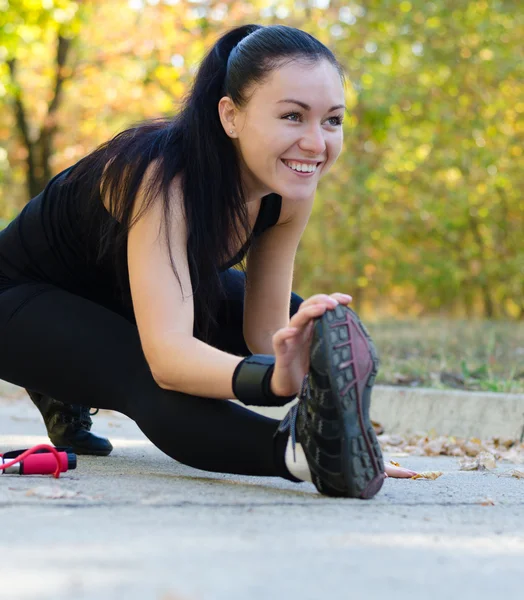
(137, 525)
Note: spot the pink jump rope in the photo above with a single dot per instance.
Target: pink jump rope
(38, 460)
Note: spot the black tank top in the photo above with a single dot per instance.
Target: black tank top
(50, 241)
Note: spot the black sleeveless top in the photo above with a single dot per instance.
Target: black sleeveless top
(50, 241)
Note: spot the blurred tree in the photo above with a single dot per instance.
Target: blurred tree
(423, 211)
(28, 27)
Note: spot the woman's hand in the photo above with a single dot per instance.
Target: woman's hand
(291, 344)
(398, 472)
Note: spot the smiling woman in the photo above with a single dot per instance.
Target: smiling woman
(116, 289)
(269, 137)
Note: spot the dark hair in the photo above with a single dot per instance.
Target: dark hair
(195, 144)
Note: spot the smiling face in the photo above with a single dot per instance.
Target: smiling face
(291, 123)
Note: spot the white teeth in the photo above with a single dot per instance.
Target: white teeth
(303, 168)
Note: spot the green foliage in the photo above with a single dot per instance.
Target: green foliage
(462, 354)
(425, 203)
(423, 212)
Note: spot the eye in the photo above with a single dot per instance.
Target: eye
(294, 114)
(336, 121)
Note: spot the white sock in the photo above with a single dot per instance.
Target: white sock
(297, 465)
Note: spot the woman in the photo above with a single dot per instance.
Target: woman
(118, 292)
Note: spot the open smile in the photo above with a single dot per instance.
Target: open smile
(309, 169)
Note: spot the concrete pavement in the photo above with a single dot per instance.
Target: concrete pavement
(138, 525)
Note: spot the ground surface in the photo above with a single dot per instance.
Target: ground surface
(137, 525)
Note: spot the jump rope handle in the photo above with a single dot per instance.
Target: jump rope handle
(39, 460)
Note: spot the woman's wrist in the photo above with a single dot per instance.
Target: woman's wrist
(252, 382)
(276, 389)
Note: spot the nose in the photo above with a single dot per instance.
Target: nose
(313, 140)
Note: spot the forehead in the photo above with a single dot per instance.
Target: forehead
(315, 84)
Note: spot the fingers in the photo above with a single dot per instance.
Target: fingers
(330, 301)
(304, 315)
(282, 336)
(310, 309)
(342, 298)
(398, 472)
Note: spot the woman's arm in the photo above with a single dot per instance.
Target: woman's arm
(269, 276)
(164, 314)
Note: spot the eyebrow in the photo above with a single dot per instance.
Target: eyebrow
(306, 106)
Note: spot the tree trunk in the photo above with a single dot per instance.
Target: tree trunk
(40, 151)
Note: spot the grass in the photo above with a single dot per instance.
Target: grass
(459, 354)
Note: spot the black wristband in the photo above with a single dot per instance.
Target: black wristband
(252, 382)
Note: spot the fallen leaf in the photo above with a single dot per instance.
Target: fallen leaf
(513, 473)
(468, 464)
(394, 463)
(487, 502)
(55, 492)
(429, 443)
(472, 447)
(379, 429)
(51, 492)
(482, 462)
(428, 475)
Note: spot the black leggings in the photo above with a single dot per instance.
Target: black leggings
(72, 349)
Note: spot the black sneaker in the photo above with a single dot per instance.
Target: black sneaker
(331, 420)
(70, 425)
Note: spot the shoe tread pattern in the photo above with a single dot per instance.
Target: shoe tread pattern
(339, 385)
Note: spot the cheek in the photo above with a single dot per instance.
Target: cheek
(335, 148)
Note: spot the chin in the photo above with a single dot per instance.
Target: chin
(298, 195)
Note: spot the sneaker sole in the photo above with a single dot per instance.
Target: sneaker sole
(350, 362)
(81, 450)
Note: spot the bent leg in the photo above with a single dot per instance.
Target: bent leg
(70, 348)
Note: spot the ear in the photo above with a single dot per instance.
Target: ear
(227, 113)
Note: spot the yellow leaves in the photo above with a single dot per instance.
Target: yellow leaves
(483, 212)
(428, 475)
(452, 176)
(432, 445)
(482, 462)
(486, 54)
(405, 6)
(423, 151)
(367, 81)
(512, 308)
(425, 79)
(433, 23)
(482, 188)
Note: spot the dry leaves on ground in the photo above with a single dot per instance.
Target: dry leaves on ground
(428, 475)
(513, 473)
(55, 492)
(484, 461)
(487, 502)
(430, 444)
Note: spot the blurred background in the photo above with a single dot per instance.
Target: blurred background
(421, 219)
